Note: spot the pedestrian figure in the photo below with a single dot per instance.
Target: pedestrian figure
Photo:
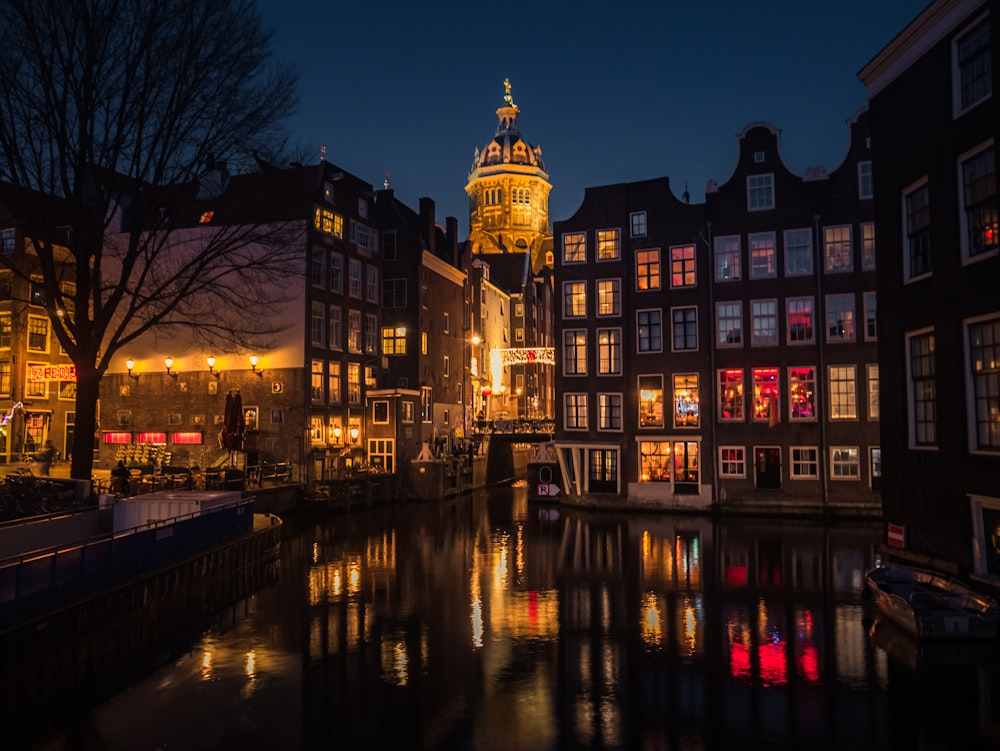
(44, 458)
(119, 479)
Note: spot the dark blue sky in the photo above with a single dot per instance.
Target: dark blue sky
(612, 92)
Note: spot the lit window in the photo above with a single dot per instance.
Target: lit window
(654, 461)
(731, 395)
(326, 221)
(206, 217)
(651, 401)
(609, 351)
(686, 401)
(609, 297)
(765, 395)
(868, 246)
(802, 393)
(873, 391)
(393, 340)
(576, 411)
(574, 247)
(837, 249)
(682, 266)
(333, 382)
(609, 411)
(647, 269)
(317, 378)
(843, 392)
(608, 244)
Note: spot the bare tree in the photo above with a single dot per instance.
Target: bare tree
(112, 108)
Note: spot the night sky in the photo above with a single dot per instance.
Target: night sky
(612, 92)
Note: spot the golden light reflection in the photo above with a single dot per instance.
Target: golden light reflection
(611, 725)
(690, 627)
(206, 665)
(500, 564)
(477, 623)
(651, 628)
(334, 580)
(519, 552)
(315, 552)
(395, 660)
(250, 665)
(476, 604)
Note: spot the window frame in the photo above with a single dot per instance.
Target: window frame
(914, 237)
(755, 316)
(964, 159)
(733, 467)
(574, 248)
(770, 243)
(688, 328)
(763, 190)
(959, 103)
(851, 320)
(608, 244)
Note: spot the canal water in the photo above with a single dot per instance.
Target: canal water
(487, 622)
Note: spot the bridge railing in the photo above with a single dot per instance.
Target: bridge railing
(534, 427)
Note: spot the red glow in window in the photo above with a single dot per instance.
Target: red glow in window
(188, 438)
(157, 439)
(116, 436)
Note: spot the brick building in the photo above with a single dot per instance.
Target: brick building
(935, 125)
(723, 354)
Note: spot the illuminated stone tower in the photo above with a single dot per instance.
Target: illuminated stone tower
(508, 192)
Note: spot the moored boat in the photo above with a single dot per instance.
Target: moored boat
(930, 605)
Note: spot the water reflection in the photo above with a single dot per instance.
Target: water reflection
(488, 623)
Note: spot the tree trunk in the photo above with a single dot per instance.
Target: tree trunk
(88, 382)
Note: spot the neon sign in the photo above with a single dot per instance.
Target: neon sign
(38, 373)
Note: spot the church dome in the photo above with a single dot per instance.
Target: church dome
(507, 146)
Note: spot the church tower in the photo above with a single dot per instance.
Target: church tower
(508, 192)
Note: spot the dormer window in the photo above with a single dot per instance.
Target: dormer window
(328, 192)
(363, 208)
